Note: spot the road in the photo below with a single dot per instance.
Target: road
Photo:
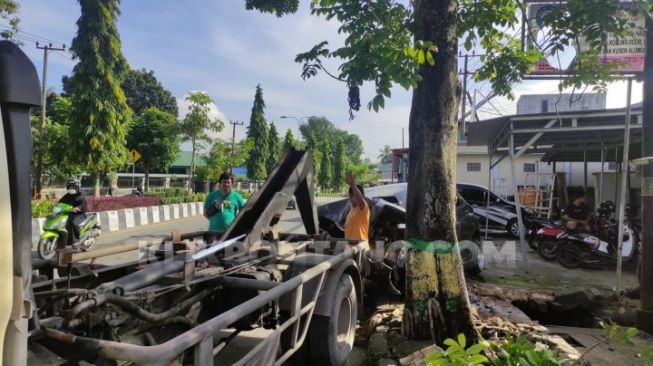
(290, 222)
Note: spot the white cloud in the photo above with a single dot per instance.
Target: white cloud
(214, 112)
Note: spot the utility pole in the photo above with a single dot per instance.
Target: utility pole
(645, 311)
(465, 72)
(233, 143)
(44, 92)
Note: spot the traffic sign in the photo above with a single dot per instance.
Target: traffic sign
(135, 155)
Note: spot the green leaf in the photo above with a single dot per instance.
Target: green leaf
(476, 349)
(477, 359)
(450, 342)
(461, 340)
(468, 43)
(420, 56)
(429, 58)
(631, 332)
(524, 362)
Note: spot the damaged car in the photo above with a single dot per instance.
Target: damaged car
(388, 224)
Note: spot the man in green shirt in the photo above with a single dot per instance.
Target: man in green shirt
(222, 206)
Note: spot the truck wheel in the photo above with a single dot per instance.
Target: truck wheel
(47, 248)
(331, 339)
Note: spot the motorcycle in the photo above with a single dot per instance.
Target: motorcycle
(576, 249)
(589, 250)
(55, 233)
(550, 237)
(534, 234)
(548, 240)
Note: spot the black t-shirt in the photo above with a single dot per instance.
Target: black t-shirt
(75, 200)
(579, 212)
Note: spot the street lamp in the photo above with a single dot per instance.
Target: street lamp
(298, 120)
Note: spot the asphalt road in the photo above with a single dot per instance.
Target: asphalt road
(290, 222)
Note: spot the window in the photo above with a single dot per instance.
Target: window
(474, 196)
(545, 106)
(473, 167)
(612, 165)
(529, 167)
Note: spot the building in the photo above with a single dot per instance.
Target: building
(385, 169)
(176, 175)
(549, 103)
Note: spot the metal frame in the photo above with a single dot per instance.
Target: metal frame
(200, 338)
(558, 134)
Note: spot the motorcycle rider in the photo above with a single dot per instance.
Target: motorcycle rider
(577, 215)
(75, 198)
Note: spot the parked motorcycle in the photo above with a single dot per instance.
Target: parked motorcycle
(534, 231)
(548, 240)
(550, 237)
(55, 233)
(591, 250)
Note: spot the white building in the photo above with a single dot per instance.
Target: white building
(550, 103)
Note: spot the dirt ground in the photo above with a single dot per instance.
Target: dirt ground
(578, 298)
(503, 266)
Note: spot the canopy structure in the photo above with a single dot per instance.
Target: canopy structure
(569, 136)
(598, 136)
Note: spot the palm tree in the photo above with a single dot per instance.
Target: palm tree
(385, 155)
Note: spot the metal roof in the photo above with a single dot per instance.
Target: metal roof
(568, 136)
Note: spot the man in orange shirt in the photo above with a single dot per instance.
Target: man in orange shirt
(357, 223)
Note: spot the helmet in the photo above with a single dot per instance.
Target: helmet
(72, 184)
(606, 208)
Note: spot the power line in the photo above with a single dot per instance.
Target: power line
(32, 36)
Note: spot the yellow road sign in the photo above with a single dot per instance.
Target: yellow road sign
(135, 155)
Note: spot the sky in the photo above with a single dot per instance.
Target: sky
(222, 49)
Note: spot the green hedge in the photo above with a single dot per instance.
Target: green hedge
(176, 195)
(245, 194)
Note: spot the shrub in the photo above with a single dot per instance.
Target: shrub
(515, 351)
(42, 208)
(457, 354)
(245, 194)
(170, 196)
(108, 203)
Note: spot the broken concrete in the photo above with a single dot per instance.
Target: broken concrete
(571, 299)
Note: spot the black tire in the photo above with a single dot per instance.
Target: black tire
(331, 339)
(47, 248)
(469, 256)
(533, 243)
(513, 228)
(569, 256)
(547, 249)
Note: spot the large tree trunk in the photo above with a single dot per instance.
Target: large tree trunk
(437, 305)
